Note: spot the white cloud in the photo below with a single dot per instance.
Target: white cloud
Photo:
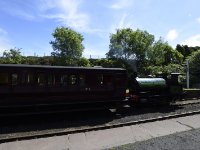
(172, 35)
(4, 45)
(2, 32)
(4, 42)
(25, 15)
(19, 9)
(123, 21)
(122, 4)
(68, 13)
(198, 20)
(192, 41)
(122, 18)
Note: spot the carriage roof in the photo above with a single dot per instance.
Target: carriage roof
(25, 66)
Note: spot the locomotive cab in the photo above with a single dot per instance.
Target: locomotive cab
(176, 89)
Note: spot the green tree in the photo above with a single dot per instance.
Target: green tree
(83, 62)
(163, 54)
(194, 63)
(31, 60)
(127, 44)
(120, 44)
(104, 62)
(67, 46)
(184, 50)
(167, 69)
(45, 60)
(12, 56)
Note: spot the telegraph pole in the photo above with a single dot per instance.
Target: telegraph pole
(187, 73)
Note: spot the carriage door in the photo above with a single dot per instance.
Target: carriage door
(4, 84)
(120, 84)
(99, 85)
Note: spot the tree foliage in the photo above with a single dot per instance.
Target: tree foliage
(186, 50)
(31, 60)
(104, 62)
(141, 47)
(163, 54)
(127, 44)
(194, 63)
(12, 56)
(67, 46)
(165, 69)
(83, 62)
(120, 44)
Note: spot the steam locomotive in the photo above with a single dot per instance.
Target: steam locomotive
(29, 88)
(160, 90)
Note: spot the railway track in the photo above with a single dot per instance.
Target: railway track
(177, 103)
(187, 102)
(86, 129)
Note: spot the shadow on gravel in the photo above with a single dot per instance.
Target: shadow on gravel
(41, 122)
(148, 109)
(59, 121)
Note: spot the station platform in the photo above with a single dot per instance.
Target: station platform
(188, 140)
(109, 138)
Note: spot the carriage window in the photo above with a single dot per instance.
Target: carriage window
(64, 79)
(73, 80)
(50, 79)
(57, 80)
(4, 78)
(14, 78)
(23, 78)
(100, 80)
(82, 80)
(41, 80)
(30, 78)
(27, 78)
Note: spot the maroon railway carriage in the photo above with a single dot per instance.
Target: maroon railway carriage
(56, 88)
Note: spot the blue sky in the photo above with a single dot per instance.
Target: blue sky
(29, 24)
